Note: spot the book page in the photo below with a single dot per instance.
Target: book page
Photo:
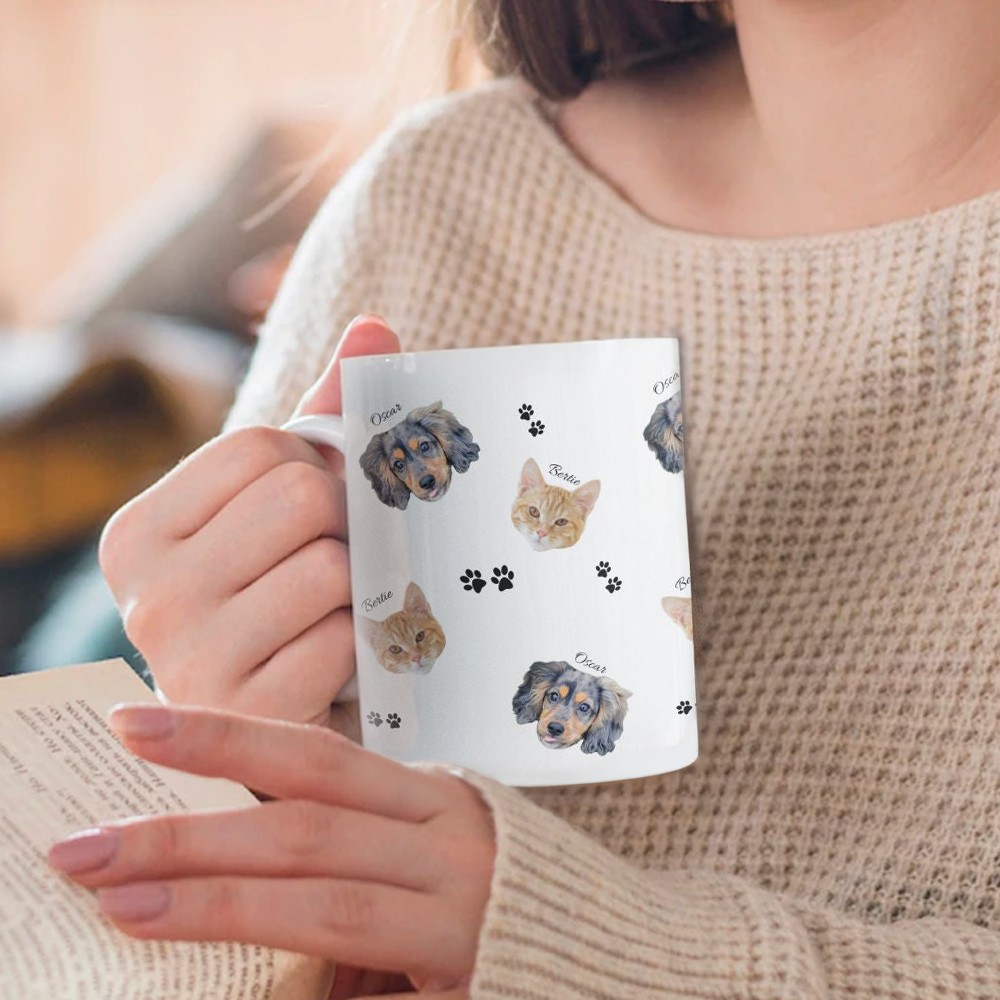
(61, 770)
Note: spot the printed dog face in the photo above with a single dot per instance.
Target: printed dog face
(416, 457)
(571, 707)
(665, 434)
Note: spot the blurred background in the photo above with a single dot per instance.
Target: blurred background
(159, 159)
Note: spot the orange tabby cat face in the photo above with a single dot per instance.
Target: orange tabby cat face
(409, 641)
(550, 517)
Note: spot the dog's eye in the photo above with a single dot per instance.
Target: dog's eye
(680, 430)
(420, 636)
(553, 696)
(583, 708)
(425, 446)
(562, 520)
(399, 465)
(395, 650)
(533, 511)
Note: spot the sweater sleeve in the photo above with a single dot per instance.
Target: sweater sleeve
(567, 918)
(332, 277)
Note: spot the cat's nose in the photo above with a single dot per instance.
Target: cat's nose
(556, 728)
(540, 533)
(427, 483)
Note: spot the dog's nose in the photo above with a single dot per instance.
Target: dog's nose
(427, 483)
(556, 728)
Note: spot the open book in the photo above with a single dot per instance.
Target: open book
(61, 770)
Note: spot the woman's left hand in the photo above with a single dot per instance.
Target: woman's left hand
(355, 857)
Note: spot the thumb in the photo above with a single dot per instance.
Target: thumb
(365, 334)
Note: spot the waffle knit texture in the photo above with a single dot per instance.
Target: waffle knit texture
(838, 836)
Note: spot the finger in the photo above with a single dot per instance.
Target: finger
(366, 334)
(191, 494)
(328, 768)
(377, 926)
(459, 993)
(306, 672)
(351, 982)
(289, 506)
(209, 660)
(288, 838)
(289, 599)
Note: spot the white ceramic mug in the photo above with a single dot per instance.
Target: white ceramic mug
(519, 557)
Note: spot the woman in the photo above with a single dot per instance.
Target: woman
(810, 202)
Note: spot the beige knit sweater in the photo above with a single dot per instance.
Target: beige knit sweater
(839, 835)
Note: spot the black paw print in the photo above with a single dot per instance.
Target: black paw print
(536, 428)
(684, 707)
(374, 719)
(473, 580)
(503, 578)
(527, 411)
(603, 568)
(613, 584)
(394, 720)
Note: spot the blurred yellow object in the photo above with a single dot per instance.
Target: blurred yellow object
(66, 466)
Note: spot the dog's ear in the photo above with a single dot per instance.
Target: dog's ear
(610, 719)
(665, 434)
(392, 491)
(530, 695)
(454, 438)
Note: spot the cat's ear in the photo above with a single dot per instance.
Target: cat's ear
(679, 609)
(531, 477)
(414, 601)
(586, 496)
(369, 629)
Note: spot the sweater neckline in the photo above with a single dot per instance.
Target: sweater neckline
(542, 113)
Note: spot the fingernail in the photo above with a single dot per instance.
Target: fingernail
(364, 318)
(143, 722)
(134, 902)
(85, 851)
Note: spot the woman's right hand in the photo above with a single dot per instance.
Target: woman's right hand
(231, 572)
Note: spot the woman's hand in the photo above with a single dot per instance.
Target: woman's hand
(371, 863)
(231, 572)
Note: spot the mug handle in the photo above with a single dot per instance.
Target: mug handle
(328, 429)
(319, 428)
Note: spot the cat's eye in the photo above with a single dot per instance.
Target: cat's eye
(562, 520)
(399, 465)
(553, 696)
(420, 636)
(396, 650)
(533, 511)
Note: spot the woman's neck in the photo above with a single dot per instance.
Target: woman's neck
(875, 106)
(825, 115)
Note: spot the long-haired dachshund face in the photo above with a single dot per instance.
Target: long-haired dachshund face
(570, 706)
(665, 434)
(415, 458)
